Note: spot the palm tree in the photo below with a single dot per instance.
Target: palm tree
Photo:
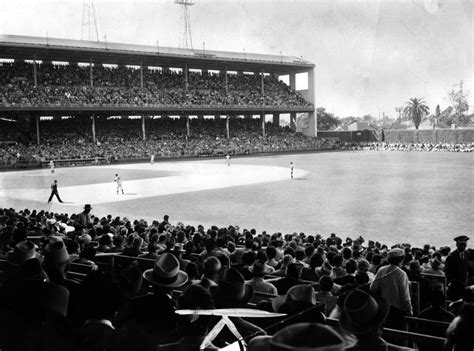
(416, 109)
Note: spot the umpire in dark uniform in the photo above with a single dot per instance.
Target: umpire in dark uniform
(457, 263)
(54, 191)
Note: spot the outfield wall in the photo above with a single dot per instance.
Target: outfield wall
(435, 136)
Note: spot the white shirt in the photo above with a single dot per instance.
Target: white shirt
(394, 286)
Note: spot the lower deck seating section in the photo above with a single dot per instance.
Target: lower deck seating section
(80, 282)
(70, 85)
(119, 139)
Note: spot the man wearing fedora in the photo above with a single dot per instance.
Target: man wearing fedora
(232, 292)
(364, 316)
(300, 337)
(211, 269)
(192, 329)
(83, 219)
(257, 282)
(150, 320)
(457, 262)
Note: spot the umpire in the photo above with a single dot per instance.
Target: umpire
(54, 191)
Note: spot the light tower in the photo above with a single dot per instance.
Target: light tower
(185, 37)
(89, 29)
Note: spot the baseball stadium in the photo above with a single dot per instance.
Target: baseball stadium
(155, 198)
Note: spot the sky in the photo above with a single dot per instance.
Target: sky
(370, 55)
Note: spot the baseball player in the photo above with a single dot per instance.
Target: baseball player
(119, 183)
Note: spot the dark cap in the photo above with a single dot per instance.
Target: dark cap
(461, 238)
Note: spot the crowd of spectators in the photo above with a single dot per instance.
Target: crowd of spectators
(119, 139)
(429, 147)
(60, 85)
(366, 285)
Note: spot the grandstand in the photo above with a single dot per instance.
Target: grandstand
(57, 77)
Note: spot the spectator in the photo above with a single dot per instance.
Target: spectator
(233, 292)
(459, 333)
(257, 282)
(84, 218)
(193, 329)
(302, 336)
(457, 263)
(298, 299)
(435, 312)
(363, 316)
(325, 295)
(393, 285)
(211, 269)
(291, 279)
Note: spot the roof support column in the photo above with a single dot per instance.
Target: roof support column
(312, 116)
(37, 129)
(226, 82)
(262, 117)
(293, 121)
(186, 84)
(93, 129)
(276, 119)
(263, 85)
(188, 127)
(143, 128)
(35, 75)
(90, 73)
(227, 127)
(292, 81)
(141, 74)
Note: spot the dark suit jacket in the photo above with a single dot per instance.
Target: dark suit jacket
(147, 322)
(95, 336)
(457, 268)
(187, 343)
(284, 284)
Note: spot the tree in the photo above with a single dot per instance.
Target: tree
(326, 121)
(460, 101)
(416, 109)
(447, 116)
(434, 119)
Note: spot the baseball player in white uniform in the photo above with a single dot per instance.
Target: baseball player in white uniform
(119, 183)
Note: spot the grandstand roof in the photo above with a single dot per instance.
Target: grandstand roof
(54, 49)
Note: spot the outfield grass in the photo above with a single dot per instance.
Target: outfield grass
(392, 197)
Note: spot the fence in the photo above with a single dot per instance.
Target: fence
(434, 136)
